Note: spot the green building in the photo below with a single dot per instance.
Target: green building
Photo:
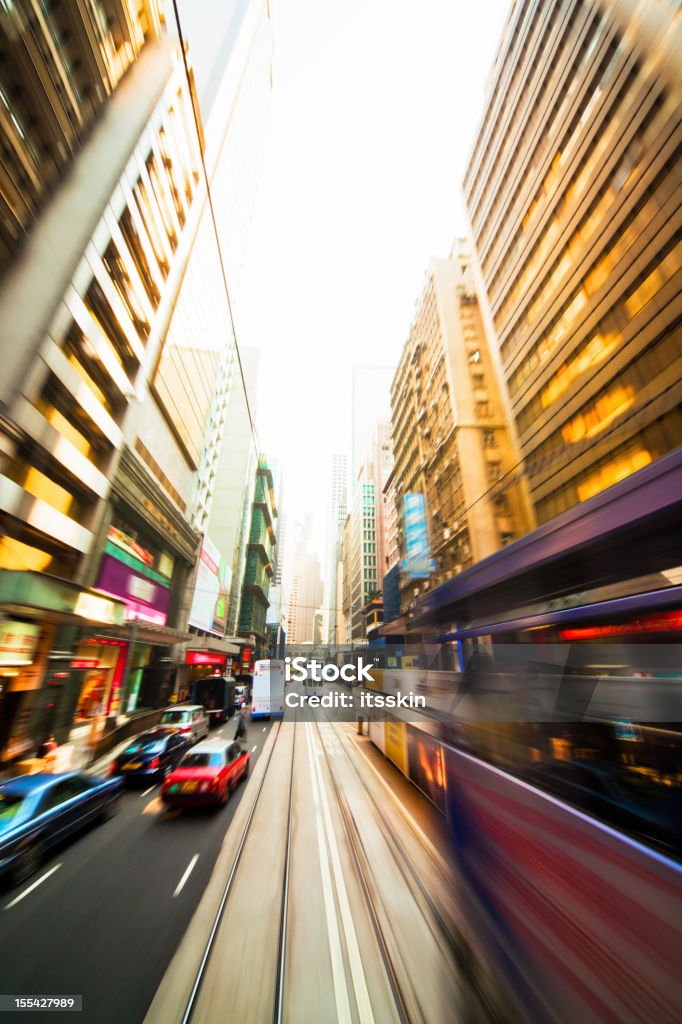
(259, 571)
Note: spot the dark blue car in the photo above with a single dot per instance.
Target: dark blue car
(152, 755)
(38, 811)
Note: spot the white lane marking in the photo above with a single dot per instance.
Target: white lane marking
(355, 960)
(335, 952)
(254, 748)
(147, 791)
(264, 727)
(188, 872)
(43, 878)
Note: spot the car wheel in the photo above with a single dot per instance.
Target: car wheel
(247, 770)
(110, 808)
(27, 863)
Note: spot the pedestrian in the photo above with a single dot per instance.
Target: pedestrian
(46, 748)
(240, 734)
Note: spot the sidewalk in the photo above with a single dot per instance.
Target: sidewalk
(81, 754)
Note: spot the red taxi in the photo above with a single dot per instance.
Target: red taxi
(206, 775)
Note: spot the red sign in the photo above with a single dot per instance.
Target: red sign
(85, 663)
(204, 658)
(246, 654)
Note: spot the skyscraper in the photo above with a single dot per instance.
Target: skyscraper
(338, 499)
(95, 490)
(364, 534)
(306, 591)
(451, 445)
(119, 357)
(572, 191)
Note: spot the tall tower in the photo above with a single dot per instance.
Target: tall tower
(572, 191)
(338, 509)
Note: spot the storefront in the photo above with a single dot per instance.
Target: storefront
(137, 570)
(23, 647)
(102, 661)
(37, 682)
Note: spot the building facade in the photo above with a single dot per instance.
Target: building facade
(573, 193)
(450, 440)
(306, 589)
(338, 510)
(119, 360)
(258, 572)
(87, 302)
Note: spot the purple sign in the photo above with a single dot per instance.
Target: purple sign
(144, 598)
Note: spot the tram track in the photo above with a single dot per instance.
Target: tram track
(456, 945)
(359, 856)
(210, 945)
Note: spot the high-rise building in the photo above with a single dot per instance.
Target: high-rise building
(258, 572)
(451, 445)
(227, 524)
(94, 488)
(573, 192)
(306, 590)
(371, 403)
(364, 536)
(338, 502)
(119, 358)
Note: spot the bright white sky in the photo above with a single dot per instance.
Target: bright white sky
(375, 107)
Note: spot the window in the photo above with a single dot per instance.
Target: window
(482, 410)
(479, 380)
(489, 439)
(502, 504)
(494, 471)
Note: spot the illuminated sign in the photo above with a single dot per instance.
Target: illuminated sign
(204, 658)
(97, 609)
(85, 663)
(144, 598)
(17, 642)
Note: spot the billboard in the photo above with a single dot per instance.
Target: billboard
(144, 598)
(417, 563)
(211, 591)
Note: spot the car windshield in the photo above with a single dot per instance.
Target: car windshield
(11, 807)
(147, 746)
(203, 761)
(173, 717)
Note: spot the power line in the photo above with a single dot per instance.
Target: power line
(209, 197)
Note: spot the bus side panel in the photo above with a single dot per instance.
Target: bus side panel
(570, 913)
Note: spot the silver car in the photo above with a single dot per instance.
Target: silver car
(190, 720)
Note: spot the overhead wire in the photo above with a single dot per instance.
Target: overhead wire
(209, 197)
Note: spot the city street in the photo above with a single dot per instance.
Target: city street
(107, 920)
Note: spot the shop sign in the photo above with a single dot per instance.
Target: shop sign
(85, 663)
(126, 543)
(144, 598)
(211, 591)
(18, 642)
(96, 608)
(204, 658)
